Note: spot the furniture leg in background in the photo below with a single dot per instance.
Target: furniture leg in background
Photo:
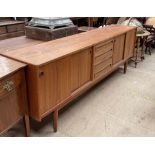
(26, 125)
(139, 57)
(136, 52)
(55, 120)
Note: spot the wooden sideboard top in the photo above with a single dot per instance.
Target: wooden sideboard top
(49, 51)
(8, 66)
(17, 43)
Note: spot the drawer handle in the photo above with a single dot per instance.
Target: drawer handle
(8, 86)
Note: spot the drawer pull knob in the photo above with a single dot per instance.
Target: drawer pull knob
(8, 86)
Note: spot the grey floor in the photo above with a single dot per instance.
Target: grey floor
(121, 105)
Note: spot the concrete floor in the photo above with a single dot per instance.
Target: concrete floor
(121, 105)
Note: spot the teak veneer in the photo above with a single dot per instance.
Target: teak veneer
(58, 71)
(17, 43)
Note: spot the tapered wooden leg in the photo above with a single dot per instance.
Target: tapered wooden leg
(26, 125)
(55, 120)
(125, 67)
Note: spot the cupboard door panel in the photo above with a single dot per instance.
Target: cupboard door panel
(63, 79)
(47, 87)
(129, 44)
(54, 84)
(80, 68)
(85, 67)
(118, 49)
(74, 71)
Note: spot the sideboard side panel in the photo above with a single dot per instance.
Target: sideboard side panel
(32, 86)
(129, 44)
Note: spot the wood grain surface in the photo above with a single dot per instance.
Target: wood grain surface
(43, 53)
(8, 66)
(17, 43)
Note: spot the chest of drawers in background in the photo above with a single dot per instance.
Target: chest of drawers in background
(9, 29)
(13, 96)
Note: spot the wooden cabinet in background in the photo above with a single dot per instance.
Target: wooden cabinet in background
(13, 98)
(11, 28)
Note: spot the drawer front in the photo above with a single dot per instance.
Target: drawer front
(8, 84)
(103, 48)
(15, 28)
(103, 57)
(101, 66)
(3, 30)
(10, 110)
(102, 72)
(13, 102)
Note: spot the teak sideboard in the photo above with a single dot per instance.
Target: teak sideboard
(58, 71)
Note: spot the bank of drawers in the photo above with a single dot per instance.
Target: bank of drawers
(11, 28)
(102, 58)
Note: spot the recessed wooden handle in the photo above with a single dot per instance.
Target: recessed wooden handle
(8, 86)
(41, 74)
